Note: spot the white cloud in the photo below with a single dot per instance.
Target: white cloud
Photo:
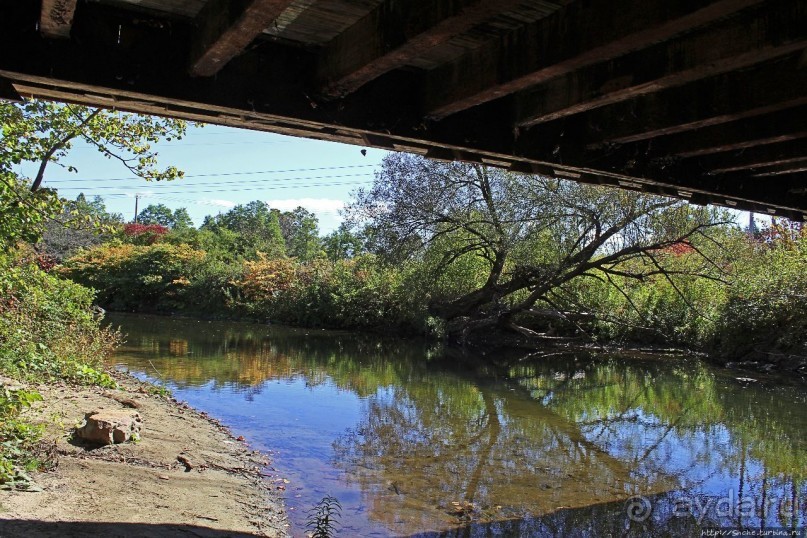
(315, 205)
(219, 203)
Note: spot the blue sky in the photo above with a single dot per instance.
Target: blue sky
(224, 167)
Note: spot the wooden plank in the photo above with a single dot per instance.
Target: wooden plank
(224, 28)
(56, 18)
(393, 35)
(579, 35)
(787, 169)
(754, 158)
(255, 94)
(773, 128)
(729, 97)
(776, 29)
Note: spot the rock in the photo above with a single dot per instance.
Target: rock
(108, 427)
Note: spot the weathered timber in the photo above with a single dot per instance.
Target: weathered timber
(765, 33)
(580, 34)
(782, 126)
(722, 103)
(772, 87)
(791, 169)
(226, 27)
(56, 19)
(754, 158)
(394, 34)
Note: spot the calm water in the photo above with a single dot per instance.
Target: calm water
(418, 443)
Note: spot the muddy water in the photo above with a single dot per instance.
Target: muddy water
(417, 442)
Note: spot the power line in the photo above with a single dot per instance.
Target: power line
(278, 187)
(159, 187)
(222, 174)
(182, 144)
(213, 204)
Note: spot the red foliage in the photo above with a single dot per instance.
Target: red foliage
(45, 262)
(148, 233)
(680, 248)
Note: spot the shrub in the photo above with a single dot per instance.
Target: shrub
(17, 437)
(143, 234)
(137, 277)
(359, 293)
(47, 326)
(765, 314)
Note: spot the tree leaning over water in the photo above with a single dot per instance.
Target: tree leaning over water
(533, 238)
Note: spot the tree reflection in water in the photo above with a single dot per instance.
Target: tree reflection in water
(474, 446)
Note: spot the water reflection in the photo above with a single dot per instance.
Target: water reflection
(414, 442)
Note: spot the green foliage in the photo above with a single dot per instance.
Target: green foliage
(323, 519)
(42, 132)
(248, 229)
(137, 277)
(765, 311)
(48, 329)
(156, 214)
(300, 232)
(343, 243)
(17, 438)
(351, 294)
(505, 246)
(178, 219)
(23, 214)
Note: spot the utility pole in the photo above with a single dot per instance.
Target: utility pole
(137, 198)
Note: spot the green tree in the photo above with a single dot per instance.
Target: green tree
(535, 236)
(161, 214)
(156, 214)
(275, 245)
(43, 133)
(181, 219)
(300, 229)
(343, 243)
(248, 229)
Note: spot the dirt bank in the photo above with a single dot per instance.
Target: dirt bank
(187, 476)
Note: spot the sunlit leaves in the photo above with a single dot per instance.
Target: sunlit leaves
(43, 133)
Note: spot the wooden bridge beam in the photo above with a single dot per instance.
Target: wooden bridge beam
(772, 87)
(760, 158)
(741, 41)
(394, 34)
(578, 35)
(751, 132)
(224, 28)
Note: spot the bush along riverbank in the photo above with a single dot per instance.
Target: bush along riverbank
(179, 470)
(541, 262)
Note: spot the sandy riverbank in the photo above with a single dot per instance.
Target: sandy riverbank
(142, 488)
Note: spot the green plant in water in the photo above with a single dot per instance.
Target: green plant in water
(323, 518)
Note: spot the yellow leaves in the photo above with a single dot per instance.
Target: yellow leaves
(265, 277)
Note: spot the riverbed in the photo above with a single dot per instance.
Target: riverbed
(412, 440)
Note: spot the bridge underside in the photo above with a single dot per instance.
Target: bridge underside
(705, 100)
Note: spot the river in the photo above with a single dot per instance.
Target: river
(415, 441)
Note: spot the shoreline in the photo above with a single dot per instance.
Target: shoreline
(186, 476)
